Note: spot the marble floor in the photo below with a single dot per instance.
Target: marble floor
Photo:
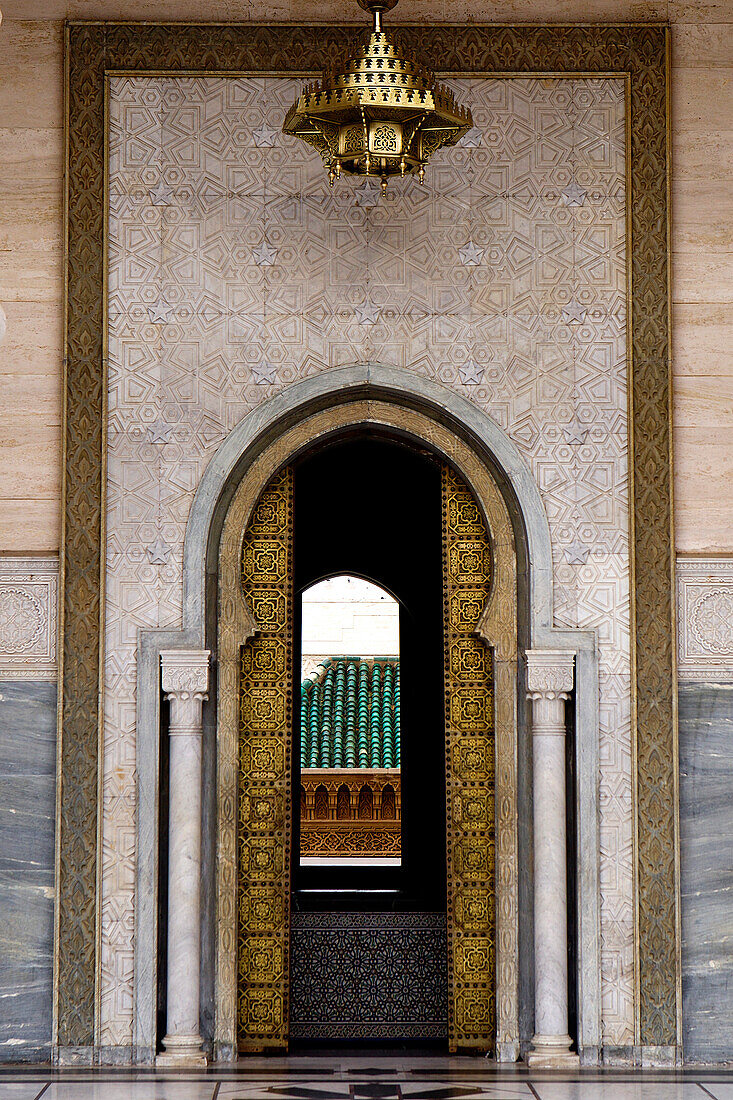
(364, 1078)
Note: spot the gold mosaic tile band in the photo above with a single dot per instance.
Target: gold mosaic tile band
(641, 52)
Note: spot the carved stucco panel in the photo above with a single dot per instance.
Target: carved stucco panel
(28, 618)
(202, 329)
(705, 619)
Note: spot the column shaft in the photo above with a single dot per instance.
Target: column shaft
(550, 678)
(184, 876)
(185, 679)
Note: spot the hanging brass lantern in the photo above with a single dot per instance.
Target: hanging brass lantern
(382, 114)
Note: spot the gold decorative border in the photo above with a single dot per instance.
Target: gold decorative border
(93, 50)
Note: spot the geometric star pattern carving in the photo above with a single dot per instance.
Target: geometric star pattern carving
(573, 195)
(367, 194)
(471, 373)
(160, 432)
(473, 139)
(471, 255)
(265, 137)
(160, 195)
(264, 373)
(264, 255)
(367, 314)
(159, 312)
(574, 314)
(229, 259)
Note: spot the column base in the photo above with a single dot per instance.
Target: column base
(552, 1051)
(508, 1051)
(182, 1050)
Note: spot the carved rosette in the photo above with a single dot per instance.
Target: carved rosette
(28, 617)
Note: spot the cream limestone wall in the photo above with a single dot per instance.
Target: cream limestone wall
(31, 284)
(702, 276)
(31, 167)
(347, 616)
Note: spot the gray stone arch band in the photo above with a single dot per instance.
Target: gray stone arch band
(491, 446)
(337, 387)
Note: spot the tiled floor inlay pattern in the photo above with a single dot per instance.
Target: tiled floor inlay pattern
(371, 1082)
(234, 270)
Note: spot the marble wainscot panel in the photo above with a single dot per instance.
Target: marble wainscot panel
(27, 811)
(28, 610)
(235, 270)
(706, 833)
(705, 601)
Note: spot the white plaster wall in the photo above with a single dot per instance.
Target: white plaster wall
(348, 616)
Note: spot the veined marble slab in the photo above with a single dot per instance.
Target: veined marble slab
(27, 812)
(706, 832)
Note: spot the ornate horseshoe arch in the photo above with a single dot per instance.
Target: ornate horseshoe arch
(253, 773)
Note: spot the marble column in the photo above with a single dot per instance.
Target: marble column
(549, 683)
(185, 679)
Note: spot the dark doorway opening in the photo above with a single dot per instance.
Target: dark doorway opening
(368, 943)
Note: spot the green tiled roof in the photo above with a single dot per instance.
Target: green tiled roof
(350, 714)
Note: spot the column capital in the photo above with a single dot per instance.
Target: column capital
(185, 673)
(550, 671)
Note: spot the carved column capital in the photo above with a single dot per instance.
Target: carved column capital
(185, 673)
(550, 673)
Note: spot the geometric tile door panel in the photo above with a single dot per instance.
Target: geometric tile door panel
(264, 807)
(470, 737)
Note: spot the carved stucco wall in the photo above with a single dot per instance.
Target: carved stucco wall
(234, 270)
